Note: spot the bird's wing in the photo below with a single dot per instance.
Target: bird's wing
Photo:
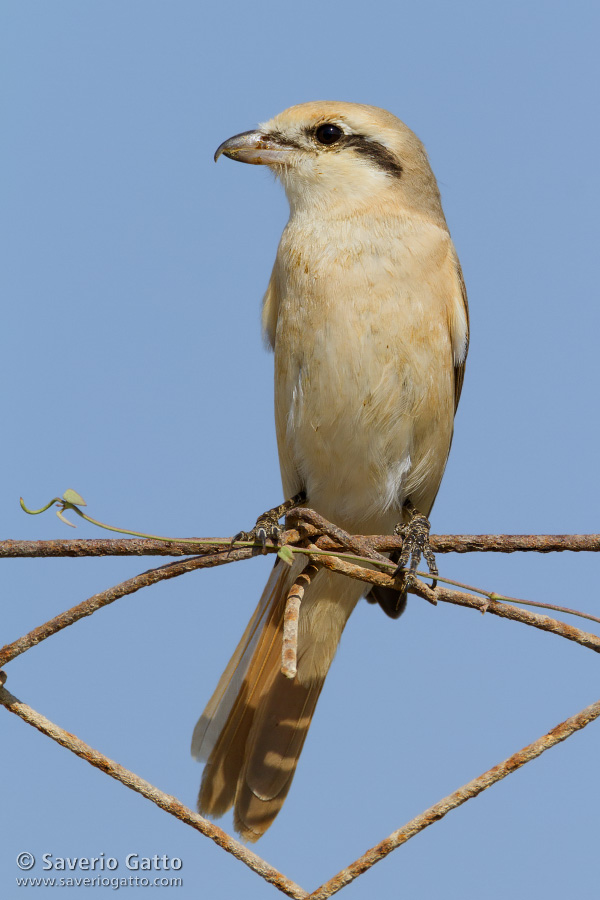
(460, 329)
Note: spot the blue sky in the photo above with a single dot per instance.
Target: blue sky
(132, 277)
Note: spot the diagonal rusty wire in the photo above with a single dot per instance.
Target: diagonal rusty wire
(270, 874)
(313, 533)
(452, 801)
(97, 601)
(167, 802)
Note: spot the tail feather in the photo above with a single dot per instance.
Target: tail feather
(277, 736)
(253, 729)
(275, 744)
(212, 720)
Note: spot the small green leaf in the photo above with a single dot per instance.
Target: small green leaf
(286, 554)
(71, 496)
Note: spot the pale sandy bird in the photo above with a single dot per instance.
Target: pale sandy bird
(367, 314)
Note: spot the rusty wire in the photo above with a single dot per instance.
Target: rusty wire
(440, 543)
(307, 530)
(291, 617)
(97, 601)
(167, 802)
(452, 801)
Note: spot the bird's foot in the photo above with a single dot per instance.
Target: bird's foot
(267, 526)
(415, 544)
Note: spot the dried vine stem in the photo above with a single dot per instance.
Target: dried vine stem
(515, 614)
(469, 790)
(458, 598)
(167, 802)
(216, 556)
(325, 537)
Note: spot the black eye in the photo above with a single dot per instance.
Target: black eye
(328, 134)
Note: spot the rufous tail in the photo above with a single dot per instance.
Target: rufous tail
(253, 729)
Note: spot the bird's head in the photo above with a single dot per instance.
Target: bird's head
(332, 154)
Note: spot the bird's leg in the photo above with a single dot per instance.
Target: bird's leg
(415, 544)
(267, 525)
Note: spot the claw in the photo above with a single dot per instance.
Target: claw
(267, 526)
(415, 544)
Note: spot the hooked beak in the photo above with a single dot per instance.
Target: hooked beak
(255, 148)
